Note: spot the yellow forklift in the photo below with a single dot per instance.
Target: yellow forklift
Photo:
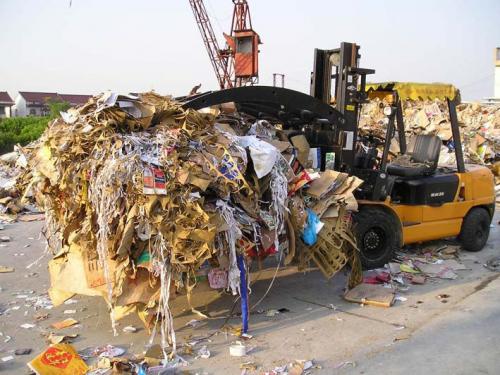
(401, 203)
(424, 201)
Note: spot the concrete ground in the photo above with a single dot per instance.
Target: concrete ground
(420, 335)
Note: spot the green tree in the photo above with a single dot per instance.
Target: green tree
(57, 106)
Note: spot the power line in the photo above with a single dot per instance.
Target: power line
(214, 16)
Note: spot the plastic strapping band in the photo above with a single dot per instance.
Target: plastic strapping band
(243, 294)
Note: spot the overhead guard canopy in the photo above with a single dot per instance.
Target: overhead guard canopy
(292, 108)
(416, 91)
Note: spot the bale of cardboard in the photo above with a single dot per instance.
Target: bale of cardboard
(144, 198)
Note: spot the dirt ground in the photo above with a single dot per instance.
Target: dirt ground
(351, 339)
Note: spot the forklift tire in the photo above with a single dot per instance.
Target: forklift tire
(475, 229)
(378, 236)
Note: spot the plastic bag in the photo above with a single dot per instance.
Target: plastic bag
(309, 236)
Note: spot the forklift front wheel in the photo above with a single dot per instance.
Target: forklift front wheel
(475, 229)
(378, 236)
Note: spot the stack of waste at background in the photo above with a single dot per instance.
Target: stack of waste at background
(12, 166)
(142, 198)
(479, 128)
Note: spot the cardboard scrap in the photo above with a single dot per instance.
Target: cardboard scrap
(441, 270)
(5, 269)
(454, 265)
(59, 359)
(64, 323)
(417, 279)
(58, 339)
(371, 294)
(326, 183)
(302, 147)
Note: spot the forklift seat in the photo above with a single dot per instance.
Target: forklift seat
(423, 150)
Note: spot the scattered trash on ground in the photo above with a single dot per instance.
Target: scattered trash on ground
(443, 297)
(194, 323)
(23, 351)
(237, 349)
(493, 264)
(109, 351)
(344, 365)
(129, 329)
(64, 323)
(249, 366)
(58, 339)
(5, 338)
(370, 294)
(297, 367)
(203, 352)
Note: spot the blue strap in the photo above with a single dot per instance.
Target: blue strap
(243, 293)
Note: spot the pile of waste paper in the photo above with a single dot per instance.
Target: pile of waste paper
(144, 198)
(479, 125)
(12, 165)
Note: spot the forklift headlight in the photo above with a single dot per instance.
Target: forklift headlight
(388, 110)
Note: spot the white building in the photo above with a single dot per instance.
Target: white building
(36, 103)
(33, 103)
(6, 104)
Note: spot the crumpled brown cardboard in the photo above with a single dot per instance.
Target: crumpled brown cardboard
(143, 198)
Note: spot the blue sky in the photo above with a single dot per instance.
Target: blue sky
(132, 45)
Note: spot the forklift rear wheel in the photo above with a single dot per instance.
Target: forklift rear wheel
(475, 229)
(378, 236)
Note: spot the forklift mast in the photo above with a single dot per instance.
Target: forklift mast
(339, 68)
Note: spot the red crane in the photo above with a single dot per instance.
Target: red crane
(237, 64)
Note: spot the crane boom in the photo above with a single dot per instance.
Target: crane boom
(218, 57)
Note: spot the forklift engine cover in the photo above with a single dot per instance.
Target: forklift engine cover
(432, 190)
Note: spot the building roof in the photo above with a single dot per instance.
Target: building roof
(75, 99)
(5, 98)
(40, 98)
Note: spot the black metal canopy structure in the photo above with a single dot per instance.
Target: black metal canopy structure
(291, 108)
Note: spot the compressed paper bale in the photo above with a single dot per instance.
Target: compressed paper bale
(139, 194)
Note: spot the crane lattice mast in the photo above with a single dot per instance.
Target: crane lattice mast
(218, 57)
(236, 64)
